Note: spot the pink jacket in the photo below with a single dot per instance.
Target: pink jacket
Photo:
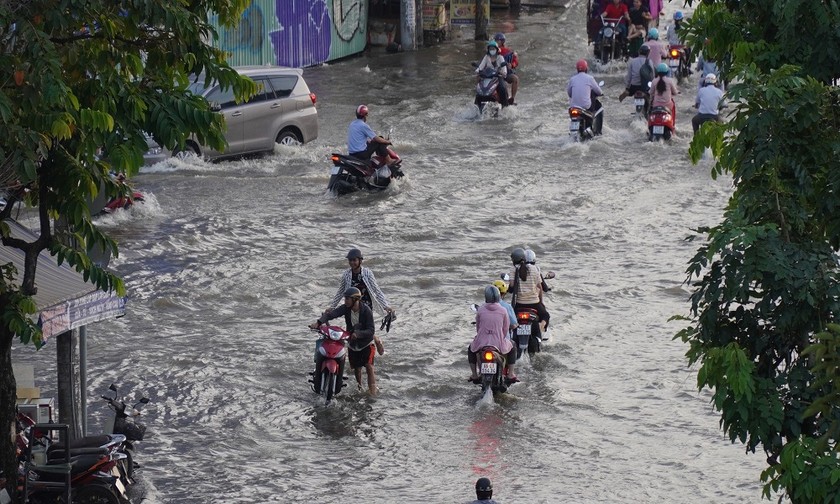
(491, 325)
(655, 7)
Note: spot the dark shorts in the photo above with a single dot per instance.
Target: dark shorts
(360, 358)
(372, 147)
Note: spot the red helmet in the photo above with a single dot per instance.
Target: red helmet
(361, 111)
(582, 66)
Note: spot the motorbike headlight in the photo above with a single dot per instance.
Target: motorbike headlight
(335, 334)
(608, 32)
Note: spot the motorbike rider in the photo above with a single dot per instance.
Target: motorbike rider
(363, 279)
(657, 48)
(512, 60)
(483, 492)
(707, 65)
(663, 90)
(708, 103)
(358, 319)
(495, 60)
(617, 9)
(362, 142)
(527, 287)
(491, 326)
(633, 79)
(582, 90)
(673, 34)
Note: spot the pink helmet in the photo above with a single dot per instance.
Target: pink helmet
(582, 66)
(361, 111)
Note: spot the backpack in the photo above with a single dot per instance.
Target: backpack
(646, 74)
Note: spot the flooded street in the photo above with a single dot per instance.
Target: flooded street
(228, 262)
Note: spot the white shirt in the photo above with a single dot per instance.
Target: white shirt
(580, 89)
(709, 100)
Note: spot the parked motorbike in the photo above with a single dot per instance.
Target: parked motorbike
(328, 377)
(678, 63)
(124, 422)
(487, 90)
(661, 122)
(350, 174)
(491, 364)
(610, 44)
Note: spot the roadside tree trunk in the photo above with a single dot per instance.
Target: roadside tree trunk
(8, 400)
(481, 20)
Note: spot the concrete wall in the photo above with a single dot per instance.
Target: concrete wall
(296, 33)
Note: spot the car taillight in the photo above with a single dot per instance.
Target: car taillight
(488, 356)
(313, 98)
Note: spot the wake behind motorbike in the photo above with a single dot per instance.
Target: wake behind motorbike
(328, 377)
(661, 122)
(487, 90)
(350, 174)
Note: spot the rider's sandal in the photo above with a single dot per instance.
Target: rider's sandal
(474, 380)
(512, 379)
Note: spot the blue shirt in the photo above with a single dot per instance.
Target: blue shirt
(509, 308)
(358, 134)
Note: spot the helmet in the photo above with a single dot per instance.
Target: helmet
(352, 292)
(644, 50)
(653, 34)
(483, 488)
(499, 37)
(492, 294)
(502, 286)
(582, 65)
(678, 16)
(492, 43)
(354, 254)
(711, 79)
(530, 256)
(361, 111)
(518, 255)
(662, 69)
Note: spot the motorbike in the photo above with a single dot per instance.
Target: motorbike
(350, 174)
(491, 364)
(328, 377)
(122, 423)
(661, 122)
(123, 202)
(610, 44)
(487, 90)
(641, 101)
(528, 337)
(581, 121)
(678, 63)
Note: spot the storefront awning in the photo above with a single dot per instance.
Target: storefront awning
(64, 300)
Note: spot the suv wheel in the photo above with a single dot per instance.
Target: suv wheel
(288, 137)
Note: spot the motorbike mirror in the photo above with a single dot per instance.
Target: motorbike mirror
(113, 387)
(600, 83)
(474, 64)
(650, 85)
(474, 308)
(144, 400)
(505, 277)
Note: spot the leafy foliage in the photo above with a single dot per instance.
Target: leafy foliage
(765, 304)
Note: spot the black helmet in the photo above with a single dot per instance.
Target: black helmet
(644, 50)
(354, 254)
(352, 292)
(492, 294)
(518, 255)
(483, 488)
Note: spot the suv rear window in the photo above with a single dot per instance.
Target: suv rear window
(283, 85)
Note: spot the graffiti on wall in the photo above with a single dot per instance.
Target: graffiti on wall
(248, 35)
(305, 36)
(347, 18)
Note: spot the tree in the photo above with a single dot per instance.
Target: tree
(764, 309)
(81, 83)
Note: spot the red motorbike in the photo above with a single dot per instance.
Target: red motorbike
(331, 353)
(123, 202)
(661, 123)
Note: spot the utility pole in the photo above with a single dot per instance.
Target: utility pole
(481, 20)
(408, 26)
(67, 360)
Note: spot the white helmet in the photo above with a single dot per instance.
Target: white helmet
(530, 256)
(711, 79)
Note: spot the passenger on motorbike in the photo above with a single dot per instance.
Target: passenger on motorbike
(633, 78)
(362, 142)
(495, 60)
(581, 89)
(663, 89)
(708, 103)
(527, 287)
(707, 65)
(363, 279)
(674, 34)
(483, 492)
(639, 19)
(358, 319)
(657, 48)
(491, 325)
(512, 60)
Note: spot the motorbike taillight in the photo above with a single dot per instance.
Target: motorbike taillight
(674, 53)
(335, 159)
(574, 113)
(523, 317)
(487, 356)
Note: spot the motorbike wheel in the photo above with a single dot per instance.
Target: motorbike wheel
(328, 385)
(604, 54)
(129, 463)
(95, 494)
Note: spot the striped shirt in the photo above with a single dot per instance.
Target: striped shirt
(370, 282)
(528, 290)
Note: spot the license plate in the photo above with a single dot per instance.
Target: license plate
(674, 63)
(658, 130)
(488, 368)
(524, 330)
(640, 102)
(574, 126)
(335, 170)
(120, 486)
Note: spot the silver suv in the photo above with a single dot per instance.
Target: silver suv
(283, 111)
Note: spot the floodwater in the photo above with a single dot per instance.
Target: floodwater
(228, 262)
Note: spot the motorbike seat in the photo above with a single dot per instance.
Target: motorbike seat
(661, 110)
